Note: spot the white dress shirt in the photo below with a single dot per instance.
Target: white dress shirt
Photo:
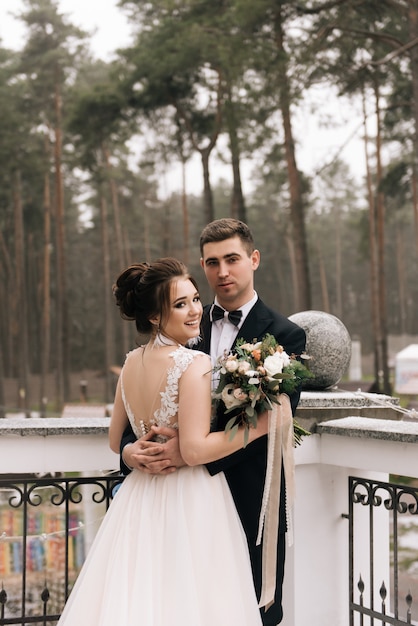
(224, 332)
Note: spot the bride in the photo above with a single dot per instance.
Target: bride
(171, 550)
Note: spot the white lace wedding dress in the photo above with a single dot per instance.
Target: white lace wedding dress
(171, 550)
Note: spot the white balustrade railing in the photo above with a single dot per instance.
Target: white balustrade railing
(353, 435)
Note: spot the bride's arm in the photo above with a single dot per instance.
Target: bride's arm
(197, 444)
(118, 421)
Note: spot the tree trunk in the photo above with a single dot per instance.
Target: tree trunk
(9, 313)
(5, 272)
(338, 271)
(185, 212)
(294, 273)
(107, 300)
(373, 256)
(238, 210)
(120, 255)
(296, 201)
(401, 274)
(380, 206)
(413, 35)
(22, 343)
(208, 208)
(116, 210)
(146, 237)
(46, 288)
(415, 202)
(2, 396)
(62, 343)
(323, 279)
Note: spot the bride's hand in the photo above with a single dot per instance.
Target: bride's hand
(158, 458)
(171, 446)
(139, 452)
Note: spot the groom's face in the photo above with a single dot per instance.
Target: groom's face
(229, 270)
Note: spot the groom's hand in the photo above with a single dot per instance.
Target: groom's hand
(152, 457)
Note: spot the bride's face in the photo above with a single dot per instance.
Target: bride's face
(185, 312)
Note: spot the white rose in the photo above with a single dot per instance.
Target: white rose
(243, 367)
(231, 364)
(286, 358)
(275, 363)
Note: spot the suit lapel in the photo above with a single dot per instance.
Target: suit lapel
(256, 323)
(206, 331)
(254, 327)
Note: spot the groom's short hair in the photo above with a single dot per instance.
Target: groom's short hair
(225, 228)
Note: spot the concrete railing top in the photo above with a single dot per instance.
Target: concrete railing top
(314, 407)
(46, 426)
(340, 399)
(372, 428)
(319, 406)
(356, 430)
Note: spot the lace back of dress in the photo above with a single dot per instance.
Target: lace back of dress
(149, 403)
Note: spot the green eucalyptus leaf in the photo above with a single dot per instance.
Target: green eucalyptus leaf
(253, 420)
(249, 411)
(233, 432)
(230, 423)
(246, 436)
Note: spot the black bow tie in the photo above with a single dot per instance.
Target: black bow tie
(233, 316)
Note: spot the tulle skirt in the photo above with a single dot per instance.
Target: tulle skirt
(170, 552)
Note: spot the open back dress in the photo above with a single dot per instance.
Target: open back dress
(171, 550)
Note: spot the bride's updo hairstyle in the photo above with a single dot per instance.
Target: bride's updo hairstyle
(143, 292)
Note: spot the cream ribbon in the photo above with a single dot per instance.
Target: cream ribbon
(279, 450)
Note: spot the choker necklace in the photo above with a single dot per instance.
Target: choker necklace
(162, 340)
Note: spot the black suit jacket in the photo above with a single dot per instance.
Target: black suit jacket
(245, 469)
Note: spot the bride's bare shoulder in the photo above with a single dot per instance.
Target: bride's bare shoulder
(202, 356)
(201, 362)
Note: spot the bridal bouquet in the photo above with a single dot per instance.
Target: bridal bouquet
(251, 380)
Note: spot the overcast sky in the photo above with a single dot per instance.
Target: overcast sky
(110, 30)
(101, 17)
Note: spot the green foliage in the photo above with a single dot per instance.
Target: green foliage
(201, 71)
(251, 380)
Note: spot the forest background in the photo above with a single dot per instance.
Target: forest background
(85, 145)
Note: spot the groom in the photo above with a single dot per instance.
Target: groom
(229, 260)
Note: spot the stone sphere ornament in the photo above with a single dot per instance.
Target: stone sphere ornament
(328, 343)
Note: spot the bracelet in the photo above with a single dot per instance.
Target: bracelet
(126, 465)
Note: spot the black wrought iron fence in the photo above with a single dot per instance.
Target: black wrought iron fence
(46, 526)
(381, 591)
